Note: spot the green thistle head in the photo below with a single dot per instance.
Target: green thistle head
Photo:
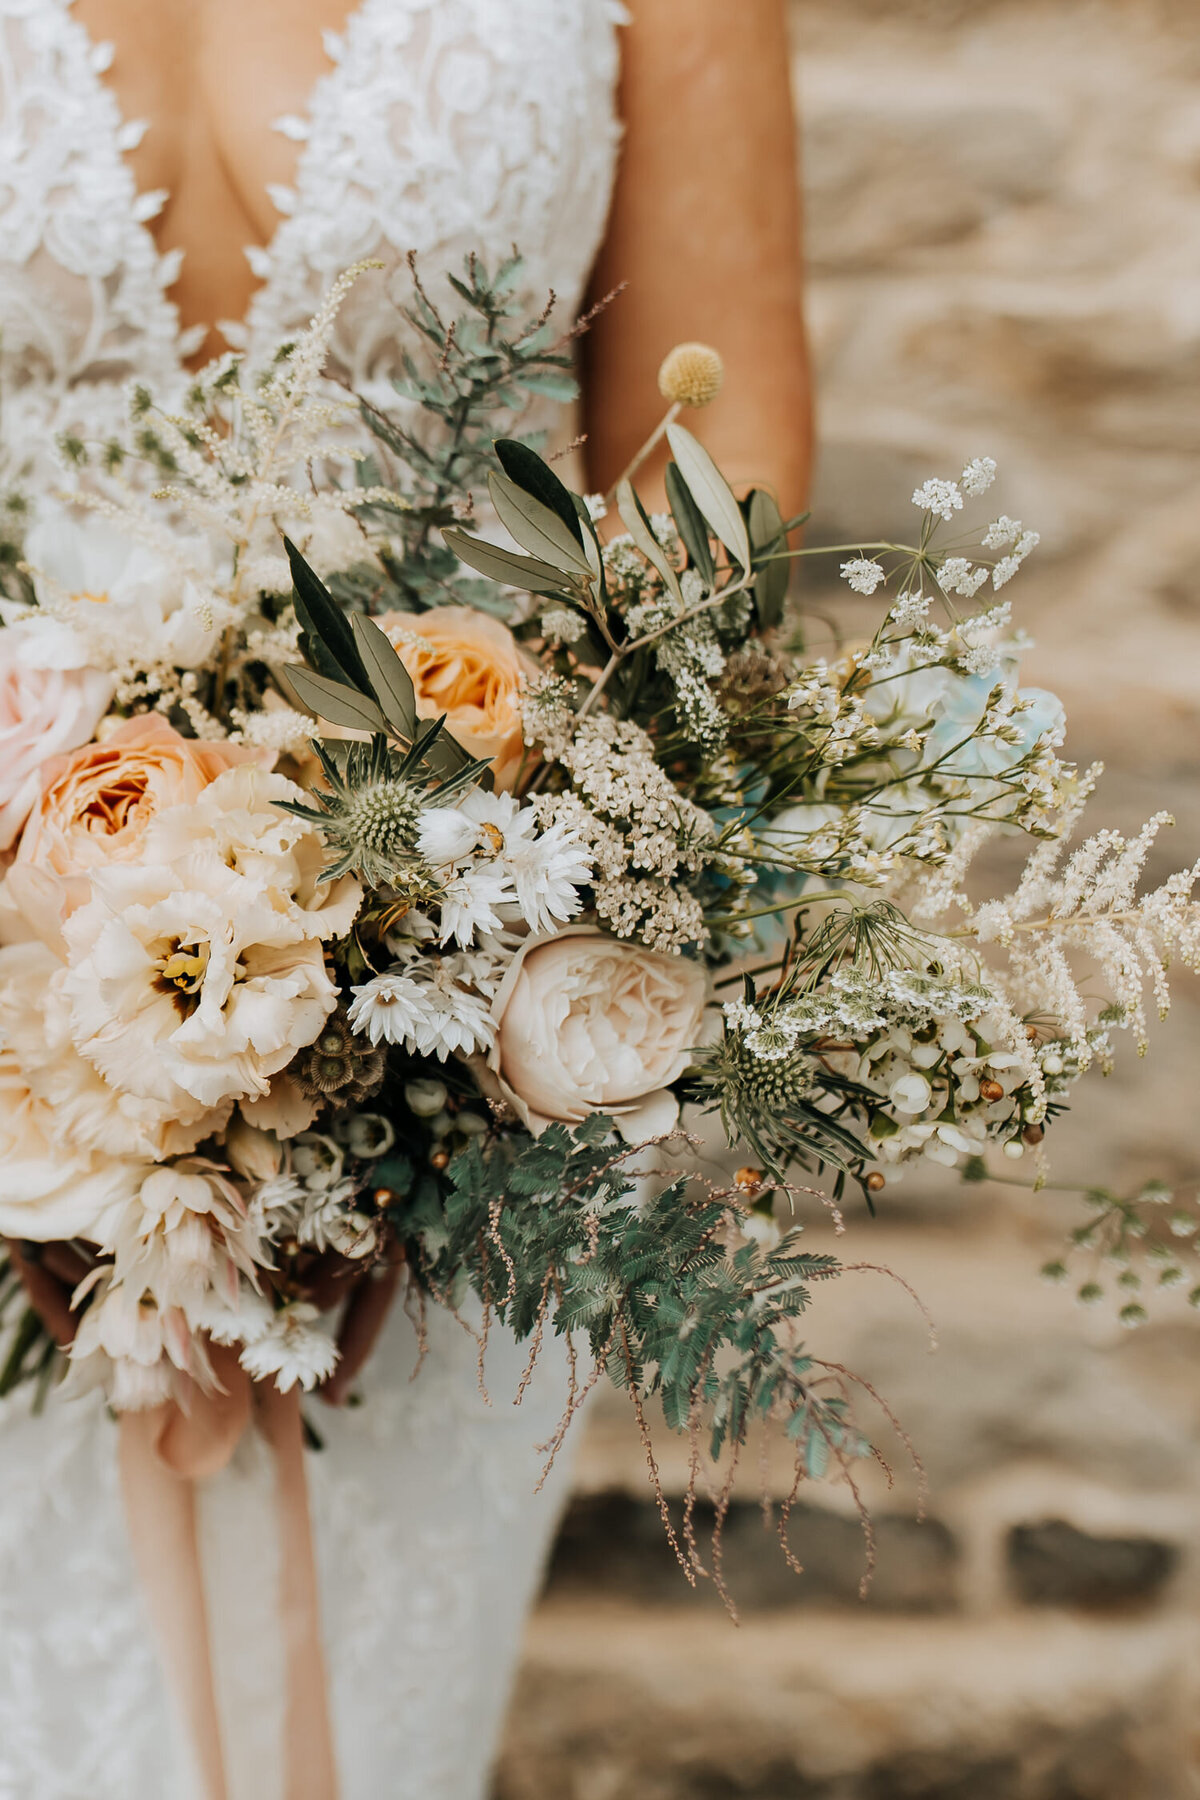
(368, 815)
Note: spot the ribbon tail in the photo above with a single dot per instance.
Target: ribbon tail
(160, 1506)
(310, 1771)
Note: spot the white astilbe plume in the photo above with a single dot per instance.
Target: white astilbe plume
(1073, 916)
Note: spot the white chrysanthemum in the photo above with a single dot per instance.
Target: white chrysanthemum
(429, 1008)
(493, 839)
(460, 1022)
(131, 1347)
(292, 1350)
(546, 865)
(196, 976)
(445, 834)
(863, 574)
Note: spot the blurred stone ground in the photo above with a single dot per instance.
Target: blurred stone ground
(1004, 246)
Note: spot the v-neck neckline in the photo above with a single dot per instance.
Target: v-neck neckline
(146, 203)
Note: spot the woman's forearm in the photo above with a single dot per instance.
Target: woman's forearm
(705, 232)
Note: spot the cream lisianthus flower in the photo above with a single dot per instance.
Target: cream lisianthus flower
(467, 665)
(194, 977)
(588, 1023)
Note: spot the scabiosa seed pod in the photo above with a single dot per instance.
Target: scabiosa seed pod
(691, 375)
(339, 1067)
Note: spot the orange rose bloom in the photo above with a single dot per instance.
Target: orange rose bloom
(96, 803)
(468, 666)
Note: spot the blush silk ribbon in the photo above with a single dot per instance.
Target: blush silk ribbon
(164, 1454)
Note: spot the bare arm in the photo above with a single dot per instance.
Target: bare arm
(705, 230)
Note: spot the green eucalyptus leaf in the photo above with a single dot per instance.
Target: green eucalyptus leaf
(689, 522)
(633, 517)
(536, 527)
(554, 384)
(332, 700)
(324, 623)
(767, 537)
(390, 681)
(711, 492)
(526, 572)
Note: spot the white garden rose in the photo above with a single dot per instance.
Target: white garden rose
(195, 976)
(43, 712)
(108, 598)
(589, 1023)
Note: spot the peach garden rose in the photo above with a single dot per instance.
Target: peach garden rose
(96, 804)
(467, 665)
(43, 711)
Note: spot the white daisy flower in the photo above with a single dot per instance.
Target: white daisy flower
(292, 1350)
(392, 1007)
(469, 902)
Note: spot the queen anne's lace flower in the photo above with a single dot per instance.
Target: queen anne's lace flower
(942, 498)
(863, 575)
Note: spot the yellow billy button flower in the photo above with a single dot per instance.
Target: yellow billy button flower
(691, 375)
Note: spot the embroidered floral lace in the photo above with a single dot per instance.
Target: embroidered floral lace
(443, 125)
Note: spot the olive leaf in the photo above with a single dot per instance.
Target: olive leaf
(536, 527)
(330, 641)
(633, 517)
(689, 522)
(711, 492)
(534, 476)
(769, 539)
(332, 700)
(526, 572)
(390, 681)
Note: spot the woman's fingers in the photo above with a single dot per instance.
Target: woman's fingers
(49, 1296)
(366, 1311)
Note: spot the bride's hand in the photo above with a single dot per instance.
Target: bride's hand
(50, 1273)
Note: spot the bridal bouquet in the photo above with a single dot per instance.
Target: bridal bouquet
(386, 905)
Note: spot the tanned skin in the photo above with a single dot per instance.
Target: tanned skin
(704, 229)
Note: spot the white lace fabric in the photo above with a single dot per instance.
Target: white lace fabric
(443, 126)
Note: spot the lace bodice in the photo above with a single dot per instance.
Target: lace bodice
(443, 126)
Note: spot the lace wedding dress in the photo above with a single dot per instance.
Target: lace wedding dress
(443, 126)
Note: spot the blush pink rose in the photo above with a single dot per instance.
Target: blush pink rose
(42, 713)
